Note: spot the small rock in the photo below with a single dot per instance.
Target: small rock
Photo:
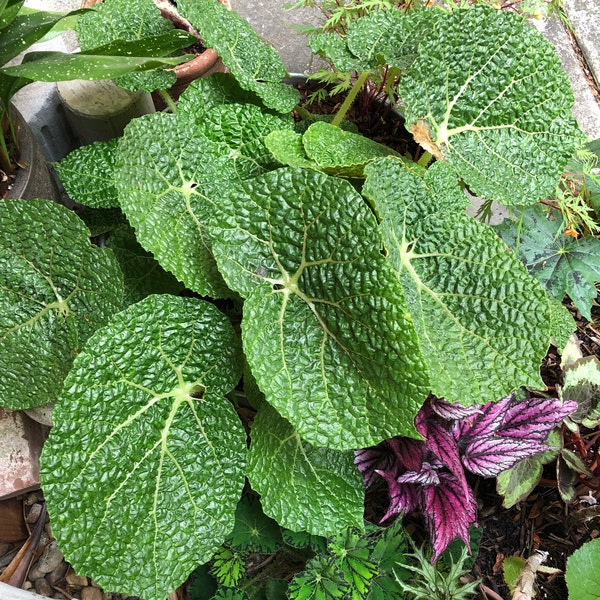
(58, 574)
(50, 559)
(91, 593)
(75, 580)
(4, 548)
(35, 573)
(34, 513)
(42, 587)
(27, 585)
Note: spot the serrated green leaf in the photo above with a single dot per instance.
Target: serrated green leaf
(340, 152)
(126, 20)
(563, 265)
(488, 94)
(474, 305)
(583, 572)
(142, 274)
(302, 539)
(56, 290)
(516, 483)
(319, 490)
(325, 328)
(228, 567)
(512, 567)
(146, 456)
(255, 65)
(102, 220)
(87, 174)
(582, 384)
(321, 580)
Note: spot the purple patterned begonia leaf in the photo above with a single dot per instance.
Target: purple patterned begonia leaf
(488, 420)
(403, 496)
(440, 440)
(489, 456)
(448, 512)
(534, 418)
(371, 460)
(452, 411)
(428, 475)
(410, 453)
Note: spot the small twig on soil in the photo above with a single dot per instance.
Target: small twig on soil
(524, 590)
(489, 593)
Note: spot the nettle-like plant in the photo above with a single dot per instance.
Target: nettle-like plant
(363, 287)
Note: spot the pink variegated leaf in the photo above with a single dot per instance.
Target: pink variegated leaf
(370, 460)
(428, 475)
(488, 420)
(409, 453)
(489, 456)
(440, 440)
(448, 512)
(534, 418)
(403, 496)
(452, 411)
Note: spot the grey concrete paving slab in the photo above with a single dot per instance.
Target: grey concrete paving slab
(586, 109)
(584, 16)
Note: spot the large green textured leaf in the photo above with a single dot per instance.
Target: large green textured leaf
(126, 20)
(142, 274)
(483, 322)
(487, 93)
(325, 328)
(171, 174)
(146, 457)
(563, 265)
(254, 63)
(87, 174)
(318, 490)
(162, 189)
(56, 289)
(583, 572)
(340, 152)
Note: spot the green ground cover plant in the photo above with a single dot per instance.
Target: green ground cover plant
(331, 283)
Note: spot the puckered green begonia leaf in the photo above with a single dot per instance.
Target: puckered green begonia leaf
(488, 94)
(255, 64)
(286, 147)
(87, 174)
(142, 274)
(333, 48)
(318, 490)
(563, 265)
(389, 35)
(206, 93)
(483, 322)
(340, 152)
(56, 289)
(168, 194)
(146, 456)
(325, 327)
